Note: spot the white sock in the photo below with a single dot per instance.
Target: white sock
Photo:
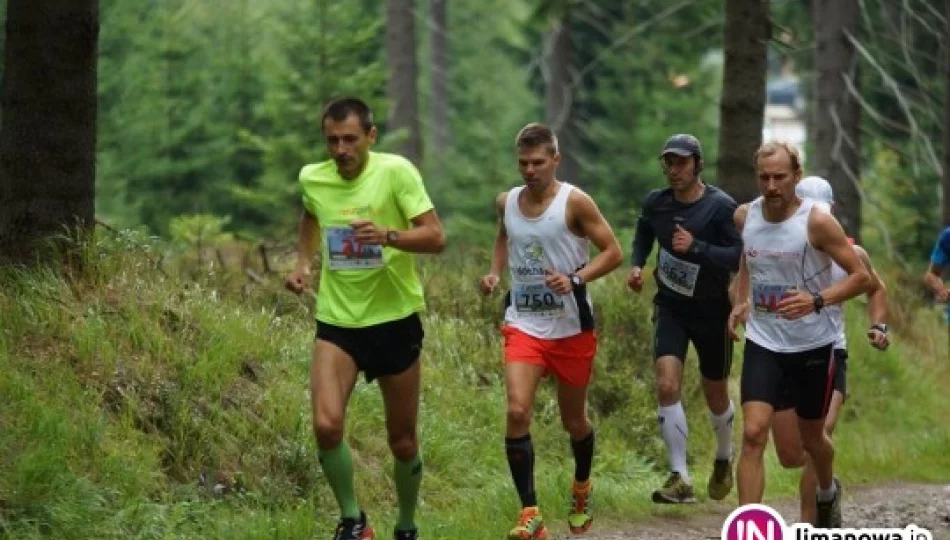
(722, 427)
(825, 495)
(674, 430)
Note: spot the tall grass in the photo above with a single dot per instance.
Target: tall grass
(136, 403)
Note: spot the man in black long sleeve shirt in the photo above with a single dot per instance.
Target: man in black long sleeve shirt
(699, 248)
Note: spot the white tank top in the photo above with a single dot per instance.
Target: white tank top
(836, 312)
(780, 261)
(535, 244)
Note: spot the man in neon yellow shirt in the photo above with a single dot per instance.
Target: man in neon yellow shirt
(369, 212)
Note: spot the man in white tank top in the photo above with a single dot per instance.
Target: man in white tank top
(783, 286)
(788, 444)
(545, 229)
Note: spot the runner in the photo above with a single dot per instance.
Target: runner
(785, 274)
(545, 229)
(788, 445)
(699, 247)
(368, 302)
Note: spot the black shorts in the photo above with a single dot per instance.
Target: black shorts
(383, 349)
(672, 333)
(841, 371)
(800, 380)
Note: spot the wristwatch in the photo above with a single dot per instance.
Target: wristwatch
(819, 302)
(392, 235)
(880, 327)
(576, 280)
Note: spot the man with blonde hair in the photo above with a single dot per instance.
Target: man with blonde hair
(785, 433)
(782, 292)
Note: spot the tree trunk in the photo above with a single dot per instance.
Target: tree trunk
(946, 119)
(837, 113)
(403, 71)
(48, 130)
(742, 106)
(559, 96)
(441, 133)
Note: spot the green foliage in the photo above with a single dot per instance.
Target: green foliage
(641, 76)
(903, 120)
(313, 52)
(140, 404)
(198, 230)
(211, 108)
(489, 100)
(214, 110)
(900, 217)
(208, 108)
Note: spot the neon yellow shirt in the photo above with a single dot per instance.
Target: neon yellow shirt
(365, 285)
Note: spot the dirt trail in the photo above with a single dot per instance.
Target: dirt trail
(888, 506)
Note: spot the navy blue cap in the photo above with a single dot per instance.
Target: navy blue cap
(683, 145)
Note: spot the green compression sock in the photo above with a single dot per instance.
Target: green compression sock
(338, 468)
(408, 476)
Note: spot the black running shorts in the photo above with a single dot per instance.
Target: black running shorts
(383, 349)
(672, 333)
(803, 380)
(841, 371)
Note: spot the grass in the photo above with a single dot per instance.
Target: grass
(128, 393)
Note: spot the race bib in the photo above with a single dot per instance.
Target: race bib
(766, 296)
(347, 253)
(679, 275)
(537, 300)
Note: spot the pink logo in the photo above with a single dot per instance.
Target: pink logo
(754, 522)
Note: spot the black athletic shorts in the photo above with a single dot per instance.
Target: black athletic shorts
(672, 333)
(841, 371)
(800, 380)
(383, 349)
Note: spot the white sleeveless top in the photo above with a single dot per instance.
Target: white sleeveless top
(536, 244)
(780, 260)
(836, 312)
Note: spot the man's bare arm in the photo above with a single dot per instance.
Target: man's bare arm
(308, 235)
(877, 291)
(499, 256)
(826, 234)
(425, 235)
(932, 278)
(594, 226)
(738, 218)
